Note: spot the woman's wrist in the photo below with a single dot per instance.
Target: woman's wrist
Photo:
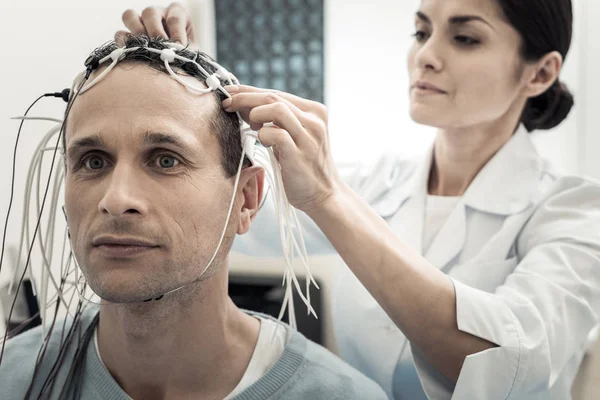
(337, 201)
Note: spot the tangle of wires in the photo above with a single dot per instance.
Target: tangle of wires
(46, 244)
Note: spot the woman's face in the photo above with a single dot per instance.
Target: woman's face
(464, 66)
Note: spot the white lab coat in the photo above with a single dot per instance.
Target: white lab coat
(522, 248)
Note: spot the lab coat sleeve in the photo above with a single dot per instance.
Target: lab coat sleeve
(541, 316)
(263, 239)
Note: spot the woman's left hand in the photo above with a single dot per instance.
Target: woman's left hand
(299, 138)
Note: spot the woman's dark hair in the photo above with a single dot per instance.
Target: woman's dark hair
(544, 26)
(224, 125)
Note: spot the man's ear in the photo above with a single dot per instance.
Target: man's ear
(543, 74)
(250, 191)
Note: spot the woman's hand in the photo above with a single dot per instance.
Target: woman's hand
(173, 22)
(299, 137)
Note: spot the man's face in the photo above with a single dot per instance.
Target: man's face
(145, 194)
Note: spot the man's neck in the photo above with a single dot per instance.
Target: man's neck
(192, 344)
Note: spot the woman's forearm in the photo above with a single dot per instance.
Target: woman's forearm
(418, 297)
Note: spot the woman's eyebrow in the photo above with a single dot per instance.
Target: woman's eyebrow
(455, 20)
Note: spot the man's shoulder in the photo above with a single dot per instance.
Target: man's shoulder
(325, 376)
(18, 361)
(21, 353)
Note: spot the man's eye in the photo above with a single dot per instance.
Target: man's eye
(167, 161)
(94, 162)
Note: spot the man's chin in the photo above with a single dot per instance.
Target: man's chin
(124, 295)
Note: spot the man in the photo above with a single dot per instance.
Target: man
(150, 172)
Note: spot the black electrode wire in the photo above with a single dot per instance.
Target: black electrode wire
(43, 348)
(19, 328)
(42, 207)
(64, 344)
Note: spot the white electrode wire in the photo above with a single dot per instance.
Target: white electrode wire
(38, 119)
(184, 83)
(49, 245)
(290, 212)
(25, 233)
(289, 278)
(45, 257)
(46, 272)
(28, 185)
(116, 57)
(101, 76)
(52, 216)
(287, 236)
(284, 231)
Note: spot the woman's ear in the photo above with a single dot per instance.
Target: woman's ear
(543, 74)
(251, 191)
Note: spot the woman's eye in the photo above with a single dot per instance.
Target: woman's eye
(466, 40)
(419, 35)
(166, 161)
(94, 162)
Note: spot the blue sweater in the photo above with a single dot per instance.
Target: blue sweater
(305, 370)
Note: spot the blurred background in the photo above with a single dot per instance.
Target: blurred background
(326, 50)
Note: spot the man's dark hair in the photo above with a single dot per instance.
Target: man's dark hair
(224, 125)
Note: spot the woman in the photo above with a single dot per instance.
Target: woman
(475, 273)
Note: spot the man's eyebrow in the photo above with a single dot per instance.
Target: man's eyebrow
(84, 143)
(155, 138)
(151, 138)
(456, 20)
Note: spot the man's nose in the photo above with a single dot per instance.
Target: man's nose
(124, 194)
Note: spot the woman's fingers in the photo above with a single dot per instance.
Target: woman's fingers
(121, 37)
(245, 102)
(280, 115)
(133, 22)
(179, 24)
(152, 18)
(303, 104)
(173, 22)
(297, 130)
(278, 138)
(260, 107)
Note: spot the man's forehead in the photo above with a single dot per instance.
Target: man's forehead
(136, 99)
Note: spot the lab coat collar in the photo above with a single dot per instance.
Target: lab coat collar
(504, 186)
(507, 184)
(403, 180)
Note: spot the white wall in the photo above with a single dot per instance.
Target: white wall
(366, 43)
(589, 88)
